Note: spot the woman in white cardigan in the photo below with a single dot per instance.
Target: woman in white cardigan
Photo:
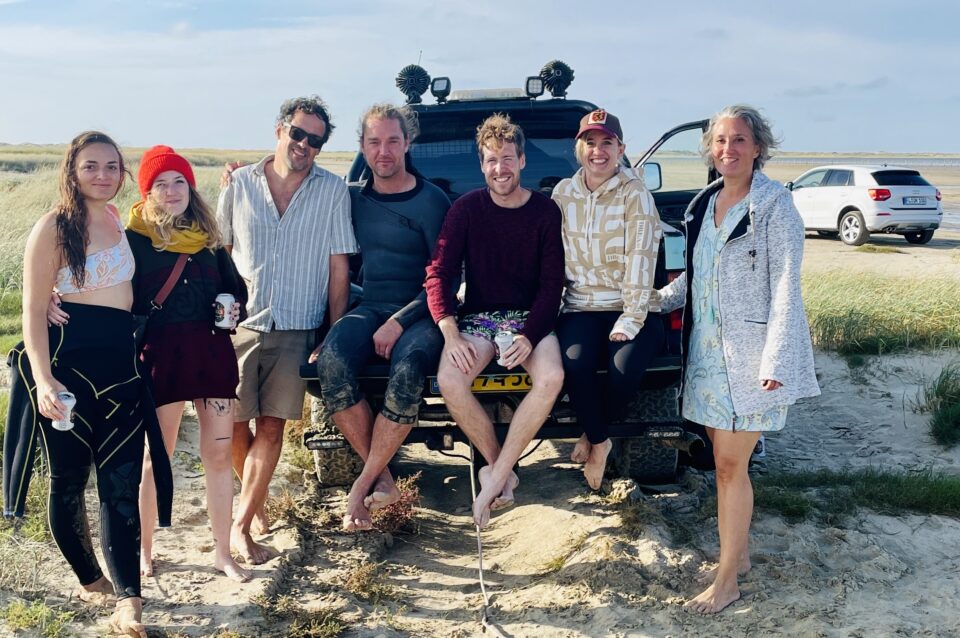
(746, 342)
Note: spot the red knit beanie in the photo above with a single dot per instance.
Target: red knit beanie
(158, 159)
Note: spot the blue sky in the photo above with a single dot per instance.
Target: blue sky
(832, 75)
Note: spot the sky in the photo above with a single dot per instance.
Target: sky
(833, 76)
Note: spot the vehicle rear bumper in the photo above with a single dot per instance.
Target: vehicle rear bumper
(900, 223)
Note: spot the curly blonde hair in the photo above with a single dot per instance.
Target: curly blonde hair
(497, 130)
(165, 224)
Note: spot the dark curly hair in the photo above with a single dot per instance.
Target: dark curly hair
(311, 105)
(71, 210)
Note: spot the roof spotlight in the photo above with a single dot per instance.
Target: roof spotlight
(534, 86)
(413, 81)
(556, 76)
(440, 88)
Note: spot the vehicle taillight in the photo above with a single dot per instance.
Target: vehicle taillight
(879, 194)
(939, 196)
(676, 317)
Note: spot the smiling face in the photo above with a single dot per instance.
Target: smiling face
(98, 172)
(599, 153)
(298, 157)
(384, 147)
(172, 192)
(733, 148)
(501, 168)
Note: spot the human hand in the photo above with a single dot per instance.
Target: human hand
(460, 352)
(235, 312)
(386, 337)
(55, 315)
(228, 168)
(770, 385)
(47, 401)
(517, 353)
(315, 354)
(619, 337)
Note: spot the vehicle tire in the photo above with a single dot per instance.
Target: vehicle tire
(644, 460)
(919, 237)
(853, 230)
(335, 462)
(827, 233)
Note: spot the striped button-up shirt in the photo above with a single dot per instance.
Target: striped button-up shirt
(285, 260)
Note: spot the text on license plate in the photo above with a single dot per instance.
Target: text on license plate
(498, 383)
(914, 201)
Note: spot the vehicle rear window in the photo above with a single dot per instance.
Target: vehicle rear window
(899, 178)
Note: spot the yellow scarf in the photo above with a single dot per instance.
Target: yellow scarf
(182, 240)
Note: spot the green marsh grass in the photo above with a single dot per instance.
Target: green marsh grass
(873, 248)
(941, 398)
(860, 313)
(50, 622)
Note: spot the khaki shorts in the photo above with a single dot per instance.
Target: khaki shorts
(270, 383)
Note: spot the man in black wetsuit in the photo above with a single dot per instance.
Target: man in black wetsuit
(397, 216)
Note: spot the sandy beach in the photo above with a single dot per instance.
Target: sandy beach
(565, 563)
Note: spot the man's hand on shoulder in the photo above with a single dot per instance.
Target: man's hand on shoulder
(226, 176)
(386, 337)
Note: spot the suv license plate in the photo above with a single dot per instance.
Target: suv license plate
(914, 201)
(498, 383)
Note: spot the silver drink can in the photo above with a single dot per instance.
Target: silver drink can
(503, 339)
(221, 311)
(67, 399)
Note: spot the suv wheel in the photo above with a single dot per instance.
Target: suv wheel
(853, 230)
(919, 237)
(645, 460)
(334, 460)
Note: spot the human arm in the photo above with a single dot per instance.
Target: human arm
(40, 264)
(642, 236)
(339, 295)
(445, 267)
(225, 216)
(673, 295)
(461, 352)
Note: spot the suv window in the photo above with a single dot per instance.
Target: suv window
(839, 178)
(809, 181)
(899, 178)
(681, 166)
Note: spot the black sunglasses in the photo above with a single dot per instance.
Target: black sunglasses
(297, 134)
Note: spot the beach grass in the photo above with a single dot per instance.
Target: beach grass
(940, 397)
(48, 621)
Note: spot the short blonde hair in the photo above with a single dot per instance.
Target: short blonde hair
(404, 115)
(759, 127)
(497, 130)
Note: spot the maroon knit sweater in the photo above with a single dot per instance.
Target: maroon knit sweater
(513, 260)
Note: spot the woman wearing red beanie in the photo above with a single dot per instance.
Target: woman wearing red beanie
(188, 357)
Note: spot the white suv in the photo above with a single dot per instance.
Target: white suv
(855, 201)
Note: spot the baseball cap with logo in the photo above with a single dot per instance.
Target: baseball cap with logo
(600, 120)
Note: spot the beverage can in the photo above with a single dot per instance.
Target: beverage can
(221, 311)
(69, 401)
(503, 341)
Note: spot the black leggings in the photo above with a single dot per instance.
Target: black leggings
(586, 347)
(95, 358)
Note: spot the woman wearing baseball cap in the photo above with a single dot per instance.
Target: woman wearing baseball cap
(189, 359)
(611, 235)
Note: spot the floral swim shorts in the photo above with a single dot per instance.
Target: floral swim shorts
(486, 324)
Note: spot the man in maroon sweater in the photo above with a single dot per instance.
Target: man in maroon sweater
(508, 239)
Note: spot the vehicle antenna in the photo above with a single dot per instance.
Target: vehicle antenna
(420, 57)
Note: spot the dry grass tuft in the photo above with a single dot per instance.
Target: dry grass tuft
(367, 582)
(399, 517)
(304, 623)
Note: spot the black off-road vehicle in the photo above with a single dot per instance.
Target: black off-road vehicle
(649, 442)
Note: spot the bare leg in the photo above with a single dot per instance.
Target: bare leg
(126, 619)
(388, 436)
(596, 463)
(463, 406)
(546, 372)
(242, 439)
(732, 451)
(169, 416)
(257, 471)
(216, 431)
(581, 451)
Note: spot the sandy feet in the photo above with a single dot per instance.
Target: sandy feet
(231, 569)
(98, 593)
(706, 576)
(493, 495)
(252, 553)
(596, 463)
(357, 518)
(260, 525)
(384, 493)
(126, 619)
(581, 451)
(713, 599)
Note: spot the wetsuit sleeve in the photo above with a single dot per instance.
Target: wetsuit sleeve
(429, 229)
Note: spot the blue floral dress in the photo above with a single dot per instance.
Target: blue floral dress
(706, 393)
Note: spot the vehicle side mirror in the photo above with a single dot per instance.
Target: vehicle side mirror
(652, 177)
(788, 186)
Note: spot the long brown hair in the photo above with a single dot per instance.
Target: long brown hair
(197, 211)
(71, 211)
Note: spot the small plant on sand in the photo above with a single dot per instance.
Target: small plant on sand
(941, 398)
(399, 517)
(367, 582)
(873, 248)
(51, 622)
(304, 623)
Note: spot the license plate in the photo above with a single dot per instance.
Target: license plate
(914, 201)
(498, 383)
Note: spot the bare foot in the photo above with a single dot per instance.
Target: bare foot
(357, 516)
(489, 491)
(231, 569)
(384, 493)
(251, 552)
(596, 464)
(126, 619)
(709, 575)
(581, 450)
(713, 599)
(146, 565)
(260, 525)
(506, 496)
(97, 593)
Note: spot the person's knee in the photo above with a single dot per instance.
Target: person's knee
(452, 382)
(338, 384)
(549, 380)
(730, 465)
(216, 456)
(270, 430)
(401, 401)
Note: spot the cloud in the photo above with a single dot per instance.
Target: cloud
(838, 88)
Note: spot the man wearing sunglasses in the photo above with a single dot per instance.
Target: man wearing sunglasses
(397, 216)
(286, 222)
